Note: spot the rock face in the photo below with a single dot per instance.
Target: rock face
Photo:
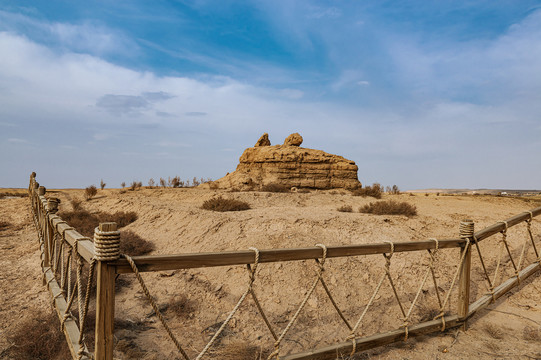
(292, 166)
(293, 140)
(263, 140)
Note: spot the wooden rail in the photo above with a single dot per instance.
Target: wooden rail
(49, 223)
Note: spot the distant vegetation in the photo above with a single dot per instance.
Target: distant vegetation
(374, 191)
(90, 192)
(345, 208)
(389, 207)
(221, 204)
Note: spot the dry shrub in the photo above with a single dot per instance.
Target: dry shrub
(181, 306)
(134, 245)
(121, 218)
(76, 204)
(531, 334)
(38, 337)
(102, 184)
(239, 351)
(389, 207)
(374, 191)
(278, 188)
(82, 220)
(85, 222)
(130, 348)
(90, 192)
(345, 208)
(4, 225)
(493, 331)
(221, 204)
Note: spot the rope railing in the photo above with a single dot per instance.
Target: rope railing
(64, 251)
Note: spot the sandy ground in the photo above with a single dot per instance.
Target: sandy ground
(173, 221)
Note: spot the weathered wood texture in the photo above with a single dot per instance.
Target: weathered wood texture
(342, 350)
(503, 288)
(71, 330)
(105, 305)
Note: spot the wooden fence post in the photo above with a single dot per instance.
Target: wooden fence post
(52, 208)
(466, 232)
(106, 242)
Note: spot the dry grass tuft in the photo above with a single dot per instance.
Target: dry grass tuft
(278, 188)
(531, 334)
(130, 348)
(374, 191)
(134, 245)
(76, 204)
(221, 204)
(13, 194)
(181, 306)
(389, 207)
(345, 208)
(38, 337)
(493, 331)
(239, 351)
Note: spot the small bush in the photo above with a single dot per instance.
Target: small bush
(4, 225)
(123, 184)
(163, 183)
(90, 192)
(121, 218)
(221, 204)
(345, 208)
(493, 331)
(102, 184)
(13, 194)
(389, 207)
(38, 337)
(76, 204)
(134, 245)
(133, 185)
(395, 190)
(374, 191)
(85, 222)
(278, 188)
(181, 306)
(531, 334)
(151, 183)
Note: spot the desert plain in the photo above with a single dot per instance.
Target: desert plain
(173, 220)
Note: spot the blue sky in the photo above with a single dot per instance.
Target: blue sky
(420, 94)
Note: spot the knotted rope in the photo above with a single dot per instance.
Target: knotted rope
(321, 268)
(429, 270)
(353, 332)
(455, 277)
(154, 305)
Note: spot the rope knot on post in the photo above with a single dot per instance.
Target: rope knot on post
(107, 242)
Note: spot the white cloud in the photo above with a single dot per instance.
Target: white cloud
(17, 141)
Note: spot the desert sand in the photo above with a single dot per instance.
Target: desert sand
(173, 220)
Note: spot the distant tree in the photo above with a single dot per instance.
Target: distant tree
(90, 192)
(123, 184)
(395, 190)
(102, 184)
(163, 183)
(151, 183)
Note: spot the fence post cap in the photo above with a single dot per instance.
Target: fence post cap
(108, 226)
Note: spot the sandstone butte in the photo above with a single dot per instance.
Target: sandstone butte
(289, 165)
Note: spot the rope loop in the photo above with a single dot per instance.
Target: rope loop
(323, 257)
(504, 231)
(106, 245)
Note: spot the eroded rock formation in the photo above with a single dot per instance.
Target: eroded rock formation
(290, 165)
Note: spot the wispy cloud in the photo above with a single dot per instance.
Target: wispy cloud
(17, 141)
